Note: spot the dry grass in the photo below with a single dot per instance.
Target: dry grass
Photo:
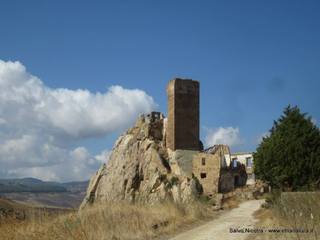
(109, 221)
(230, 203)
(293, 211)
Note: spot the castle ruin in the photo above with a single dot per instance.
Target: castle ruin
(212, 167)
(162, 158)
(183, 115)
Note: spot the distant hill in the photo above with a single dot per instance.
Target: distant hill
(34, 185)
(75, 187)
(38, 193)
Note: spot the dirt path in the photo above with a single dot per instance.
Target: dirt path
(219, 229)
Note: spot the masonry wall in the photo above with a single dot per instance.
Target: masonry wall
(183, 115)
(181, 161)
(206, 167)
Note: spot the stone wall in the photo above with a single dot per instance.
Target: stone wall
(183, 115)
(232, 178)
(181, 161)
(226, 181)
(206, 168)
(210, 168)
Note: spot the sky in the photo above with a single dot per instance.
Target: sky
(74, 75)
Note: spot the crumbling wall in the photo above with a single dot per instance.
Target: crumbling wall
(210, 168)
(226, 181)
(181, 161)
(206, 168)
(232, 178)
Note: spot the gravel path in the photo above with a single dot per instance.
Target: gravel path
(219, 229)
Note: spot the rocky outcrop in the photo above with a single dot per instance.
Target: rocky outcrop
(139, 169)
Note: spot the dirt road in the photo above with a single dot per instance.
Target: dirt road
(219, 229)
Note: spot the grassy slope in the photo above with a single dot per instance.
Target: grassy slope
(108, 221)
(297, 210)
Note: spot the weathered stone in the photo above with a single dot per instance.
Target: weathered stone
(215, 175)
(139, 170)
(206, 167)
(226, 181)
(183, 115)
(181, 161)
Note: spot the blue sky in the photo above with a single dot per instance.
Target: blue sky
(252, 58)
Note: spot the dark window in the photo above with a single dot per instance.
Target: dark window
(203, 161)
(236, 181)
(203, 175)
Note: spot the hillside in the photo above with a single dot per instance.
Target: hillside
(29, 185)
(35, 192)
(38, 186)
(75, 187)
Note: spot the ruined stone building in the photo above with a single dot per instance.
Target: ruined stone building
(207, 167)
(214, 172)
(246, 159)
(212, 167)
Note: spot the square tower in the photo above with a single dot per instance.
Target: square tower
(183, 114)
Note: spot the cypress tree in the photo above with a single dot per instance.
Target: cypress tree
(289, 158)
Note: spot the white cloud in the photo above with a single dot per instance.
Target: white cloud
(74, 113)
(78, 165)
(229, 136)
(104, 156)
(38, 124)
(29, 151)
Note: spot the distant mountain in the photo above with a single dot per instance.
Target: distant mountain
(75, 187)
(34, 185)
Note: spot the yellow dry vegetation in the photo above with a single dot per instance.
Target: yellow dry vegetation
(106, 221)
(298, 212)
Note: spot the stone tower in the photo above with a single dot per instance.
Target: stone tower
(183, 114)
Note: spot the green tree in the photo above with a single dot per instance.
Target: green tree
(290, 156)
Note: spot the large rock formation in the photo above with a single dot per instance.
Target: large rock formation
(139, 169)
